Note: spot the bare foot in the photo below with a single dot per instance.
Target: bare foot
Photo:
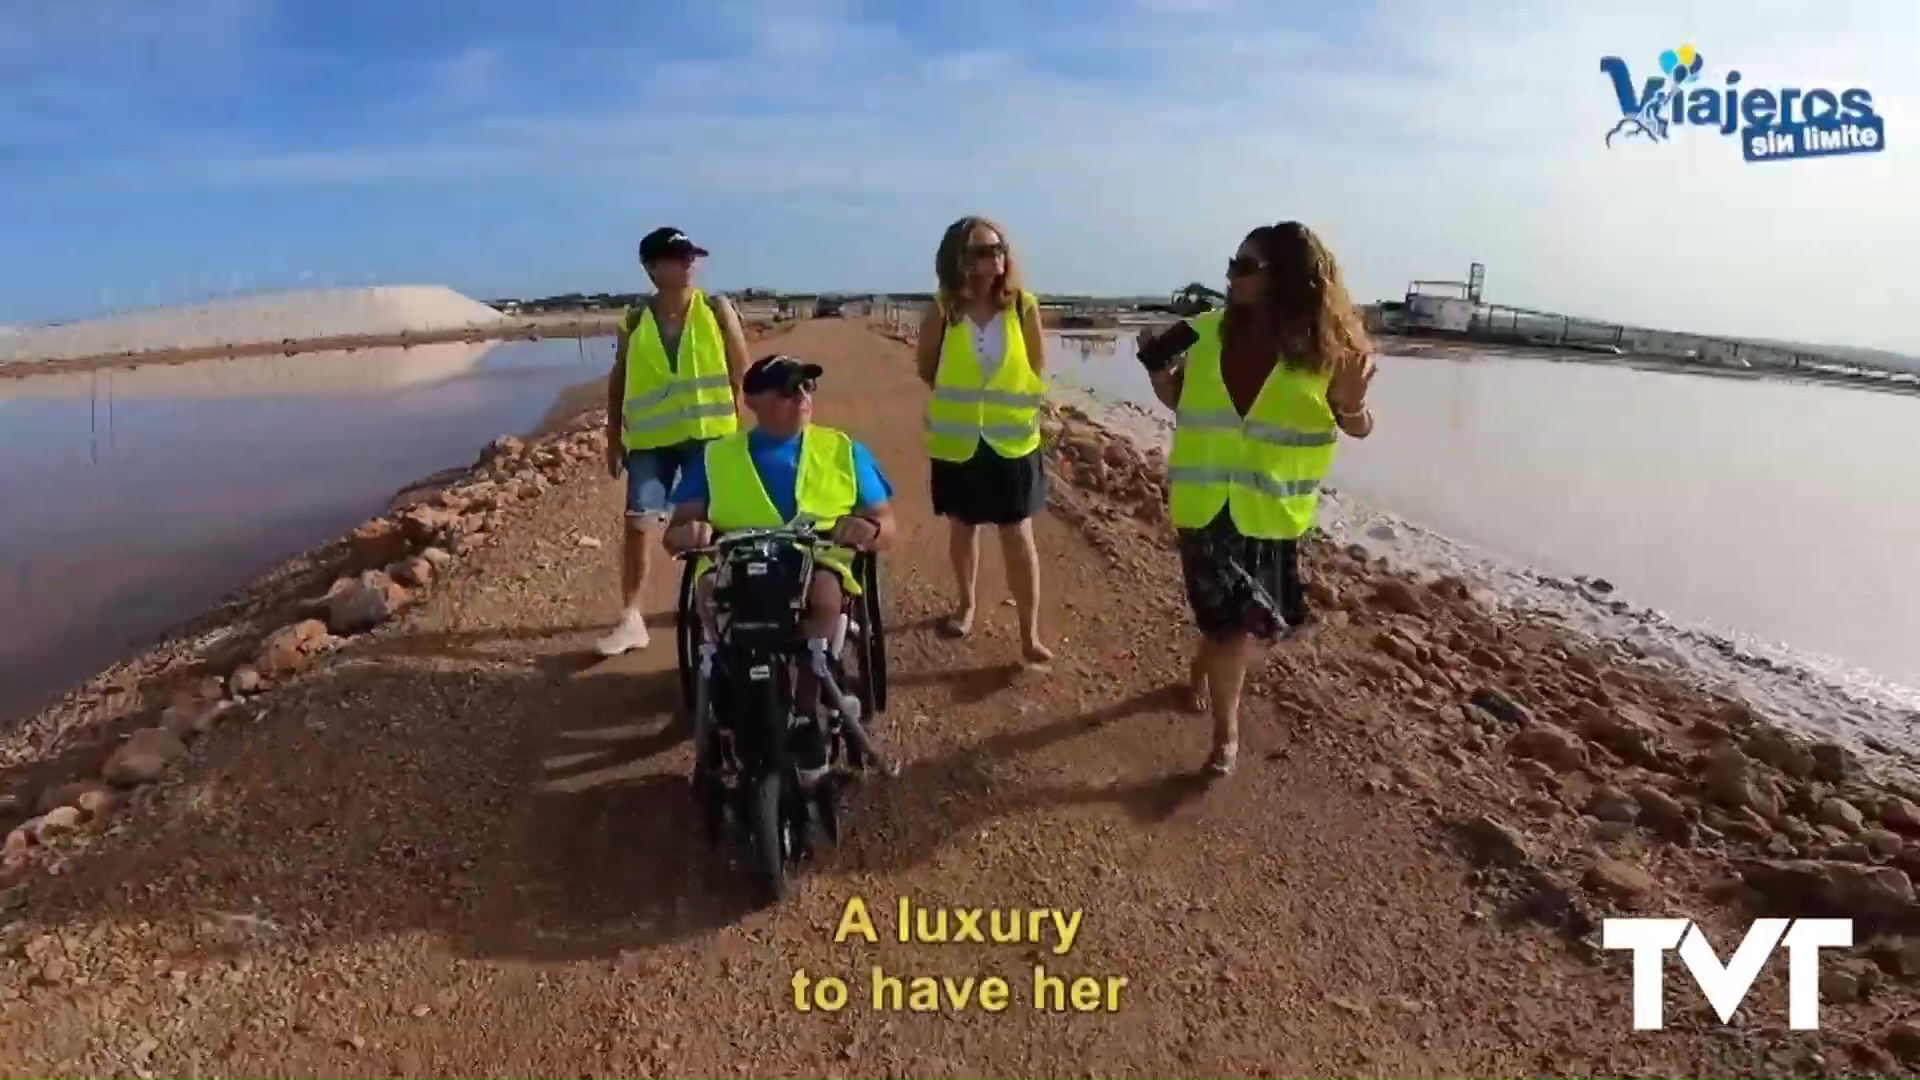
(956, 626)
(1036, 653)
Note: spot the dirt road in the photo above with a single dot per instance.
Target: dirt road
(464, 848)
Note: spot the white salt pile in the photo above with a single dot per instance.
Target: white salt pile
(288, 316)
(360, 373)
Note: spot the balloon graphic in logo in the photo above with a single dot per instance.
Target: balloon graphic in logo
(1681, 64)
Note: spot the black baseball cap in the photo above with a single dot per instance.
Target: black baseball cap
(779, 373)
(668, 241)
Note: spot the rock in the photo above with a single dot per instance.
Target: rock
(1500, 707)
(1664, 814)
(412, 572)
(99, 804)
(1621, 730)
(376, 543)
(1899, 957)
(504, 448)
(1899, 813)
(245, 680)
(67, 795)
(1398, 596)
(1850, 852)
(57, 822)
(19, 841)
(364, 603)
(1611, 804)
(191, 719)
(1841, 814)
(1550, 745)
(1397, 647)
(143, 758)
(1839, 984)
(1482, 657)
(1882, 843)
(1729, 780)
(1902, 1038)
(1631, 886)
(589, 542)
(1609, 831)
(426, 525)
(1834, 763)
(1781, 752)
(1710, 731)
(1806, 887)
(1494, 842)
(290, 649)
(1734, 715)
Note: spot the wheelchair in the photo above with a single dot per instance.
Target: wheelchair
(778, 770)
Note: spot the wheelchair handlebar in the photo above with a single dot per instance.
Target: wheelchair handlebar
(800, 535)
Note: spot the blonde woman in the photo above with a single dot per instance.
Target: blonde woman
(982, 352)
(1267, 387)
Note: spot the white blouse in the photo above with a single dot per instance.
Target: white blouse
(989, 343)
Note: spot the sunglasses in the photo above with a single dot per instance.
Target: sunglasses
(798, 390)
(1241, 266)
(986, 251)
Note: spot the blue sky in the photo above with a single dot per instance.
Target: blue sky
(157, 150)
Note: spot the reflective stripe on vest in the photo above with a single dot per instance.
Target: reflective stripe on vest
(1265, 470)
(968, 407)
(666, 403)
(826, 488)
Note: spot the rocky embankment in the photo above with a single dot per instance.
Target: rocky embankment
(73, 765)
(1580, 781)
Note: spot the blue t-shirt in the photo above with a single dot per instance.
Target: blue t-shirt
(778, 463)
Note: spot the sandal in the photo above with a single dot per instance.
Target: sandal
(1223, 759)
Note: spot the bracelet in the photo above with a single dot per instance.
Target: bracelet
(1359, 412)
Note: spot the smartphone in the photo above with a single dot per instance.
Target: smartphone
(1158, 354)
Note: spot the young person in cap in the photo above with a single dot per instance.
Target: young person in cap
(786, 466)
(675, 385)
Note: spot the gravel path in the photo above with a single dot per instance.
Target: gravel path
(461, 847)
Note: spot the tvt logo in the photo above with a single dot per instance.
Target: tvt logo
(1726, 985)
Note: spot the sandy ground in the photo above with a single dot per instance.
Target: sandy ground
(455, 844)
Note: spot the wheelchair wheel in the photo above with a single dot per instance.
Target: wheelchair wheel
(772, 833)
(686, 632)
(873, 638)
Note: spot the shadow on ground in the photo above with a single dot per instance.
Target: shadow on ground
(534, 809)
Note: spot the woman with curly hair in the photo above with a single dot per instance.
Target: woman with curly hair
(982, 352)
(1266, 387)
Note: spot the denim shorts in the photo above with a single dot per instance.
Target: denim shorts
(651, 475)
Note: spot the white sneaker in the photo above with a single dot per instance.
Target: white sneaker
(629, 634)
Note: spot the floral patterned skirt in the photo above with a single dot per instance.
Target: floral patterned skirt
(1236, 584)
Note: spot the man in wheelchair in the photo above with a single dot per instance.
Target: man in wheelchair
(785, 468)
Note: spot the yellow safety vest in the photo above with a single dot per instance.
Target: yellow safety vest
(968, 407)
(673, 403)
(826, 489)
(1267, 468)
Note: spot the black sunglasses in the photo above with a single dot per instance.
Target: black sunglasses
(1244, 266)
(986, 251)
(804, 386)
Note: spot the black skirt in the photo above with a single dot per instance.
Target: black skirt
(1237, 584)
(987, 489)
